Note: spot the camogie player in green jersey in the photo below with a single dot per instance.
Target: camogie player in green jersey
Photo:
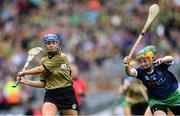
(55, 77)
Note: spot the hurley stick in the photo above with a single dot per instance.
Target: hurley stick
(31, 54)
(153, 11)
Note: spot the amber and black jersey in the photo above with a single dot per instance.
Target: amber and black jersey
(58, 73)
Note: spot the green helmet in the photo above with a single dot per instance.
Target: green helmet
(147, 52)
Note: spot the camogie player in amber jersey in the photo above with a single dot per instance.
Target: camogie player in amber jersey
(161, 84)
(55, 77)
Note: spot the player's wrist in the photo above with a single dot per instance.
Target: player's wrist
(24, 72)
(126, 65)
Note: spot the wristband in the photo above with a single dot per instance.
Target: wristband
(126, 64)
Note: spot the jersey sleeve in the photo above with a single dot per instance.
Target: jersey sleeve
(42, 78)
(165, 65)
(47, 72)
(45, 64)
(139, 73)
(42, 61)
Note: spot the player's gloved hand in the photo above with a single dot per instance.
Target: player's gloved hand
(18, 78)
(126, 61)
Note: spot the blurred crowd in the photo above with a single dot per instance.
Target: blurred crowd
(97, 34)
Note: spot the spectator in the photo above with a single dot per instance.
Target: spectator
(79, 85)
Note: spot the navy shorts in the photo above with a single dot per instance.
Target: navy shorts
(63, 98)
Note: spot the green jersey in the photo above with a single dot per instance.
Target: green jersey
(58, 73)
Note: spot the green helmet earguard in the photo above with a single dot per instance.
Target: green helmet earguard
(147, 52)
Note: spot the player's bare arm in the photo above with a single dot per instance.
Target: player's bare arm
(166, 59)
(38, 84)
(129, 70)
(33, 71)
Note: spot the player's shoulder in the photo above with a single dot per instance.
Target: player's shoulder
(43, 59)
(64, 55)
(140, 71)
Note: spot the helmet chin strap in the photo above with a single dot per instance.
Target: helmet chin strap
(52, 53)
(149, 69)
